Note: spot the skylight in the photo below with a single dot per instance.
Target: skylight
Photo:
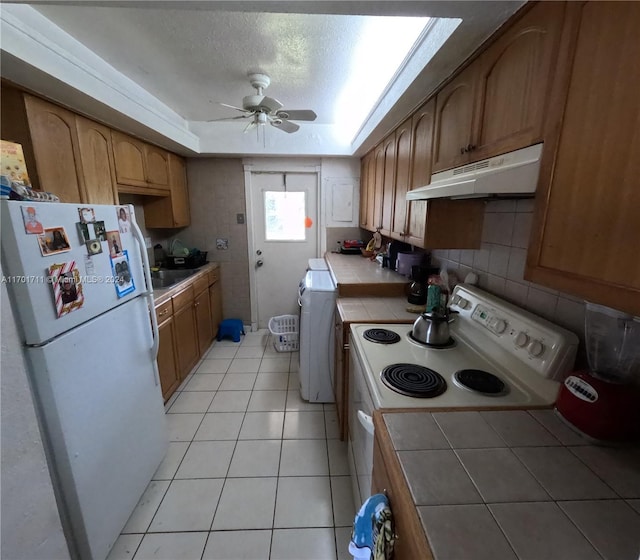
(384, 44)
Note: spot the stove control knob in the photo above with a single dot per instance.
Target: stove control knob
(498, 326)
(536, 348)
(463, 303)
(522, 339)
(455, 300)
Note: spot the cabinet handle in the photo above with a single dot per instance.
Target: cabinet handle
(462, 150)
(163, 313)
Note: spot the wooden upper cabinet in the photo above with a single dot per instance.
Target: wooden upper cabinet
(402, 180)
(586, 228)
(374, 207)
(129, 159)
(453, 120)
(367, 192)
(514, 77)
(421, 158)
(179, 191)
(55, 146)
(157, 166)
(388, 183)
(96, 156)
(170, 211)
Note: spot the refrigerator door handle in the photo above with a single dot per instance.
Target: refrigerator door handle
(149, 292)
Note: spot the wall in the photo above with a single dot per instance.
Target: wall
(500, 264)
(31, 528)
(216, 195)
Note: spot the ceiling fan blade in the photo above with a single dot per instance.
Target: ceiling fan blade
(233, 107)
(271, 104)
(251, 125)
(231, 118)
(297, 114)
(285, 125)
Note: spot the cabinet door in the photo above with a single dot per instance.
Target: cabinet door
(514, 77)
(179, 191)
(388, 183)
(156, 166)
(55, 146)
(421, 157)
(129, 159)
(203, 321)
(454, 118)
(367, 192)
(402, 180)
(186, 339)
(215, 302)
(374, 208)
(168, 359)
(586, 227)
(170, 211)
(96, 157)
(411, 543)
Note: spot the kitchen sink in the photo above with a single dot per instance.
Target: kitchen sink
(165, 278)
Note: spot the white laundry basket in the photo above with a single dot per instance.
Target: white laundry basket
(284, 329)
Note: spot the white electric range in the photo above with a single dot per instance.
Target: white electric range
(501, 357)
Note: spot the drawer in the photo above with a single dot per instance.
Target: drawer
(214, 276)
(164, 311)
(182, 299)
(201, 284)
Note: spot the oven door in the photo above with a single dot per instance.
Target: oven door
(361, 433)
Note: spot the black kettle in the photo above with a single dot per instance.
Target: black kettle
(418, 287)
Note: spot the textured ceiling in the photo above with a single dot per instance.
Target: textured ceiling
(192, 59)
(190, 55)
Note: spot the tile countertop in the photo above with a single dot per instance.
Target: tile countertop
(160, 295)
(357, 276)
(375, 310)
(517, 485)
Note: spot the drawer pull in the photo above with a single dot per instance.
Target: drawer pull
(163, 313)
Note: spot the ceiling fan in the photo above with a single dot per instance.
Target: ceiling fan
(262, 109)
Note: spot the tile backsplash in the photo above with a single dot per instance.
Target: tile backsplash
(500, 262)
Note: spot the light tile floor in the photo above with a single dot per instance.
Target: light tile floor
(253, 472)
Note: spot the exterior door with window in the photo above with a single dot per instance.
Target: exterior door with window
(285, 237)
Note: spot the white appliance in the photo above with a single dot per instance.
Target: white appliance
(93, 368)
(317, 300)
(525, 356)
(317, 264)
(513, 173)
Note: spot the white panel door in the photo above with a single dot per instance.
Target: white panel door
(285, 237)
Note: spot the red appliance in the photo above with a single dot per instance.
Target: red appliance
(604, 403)
(600, 409)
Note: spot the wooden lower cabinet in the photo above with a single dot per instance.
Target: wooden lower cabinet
(186, 336)
(167, 358)
(204, 326)
(187, 325)
(411, 542)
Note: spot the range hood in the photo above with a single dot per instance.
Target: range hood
(511, 174)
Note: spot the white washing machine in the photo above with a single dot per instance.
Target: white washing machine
(317, 264)
(317, 299)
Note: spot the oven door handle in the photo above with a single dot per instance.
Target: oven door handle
(366, 421)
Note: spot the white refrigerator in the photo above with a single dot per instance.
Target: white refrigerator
(77, 277)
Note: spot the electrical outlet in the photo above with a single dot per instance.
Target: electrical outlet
(240, 218)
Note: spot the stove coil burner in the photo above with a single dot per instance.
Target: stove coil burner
(480, 382)
(448, 344)
(381, 336)
(413, 380)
